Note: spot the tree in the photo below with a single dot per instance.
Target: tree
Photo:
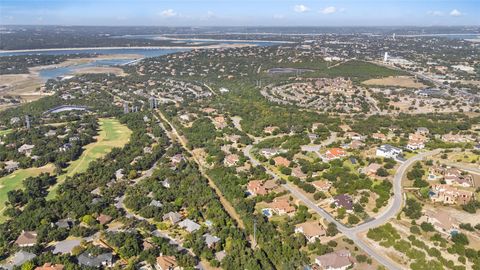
(460, 238)
(382, 172)
(352, 219)
(332, 229)
(426, 226)
(413, 209)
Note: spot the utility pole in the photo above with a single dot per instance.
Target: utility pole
(125, 108)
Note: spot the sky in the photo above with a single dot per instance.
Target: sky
(241, 12)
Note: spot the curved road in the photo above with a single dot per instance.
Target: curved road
(392, 209)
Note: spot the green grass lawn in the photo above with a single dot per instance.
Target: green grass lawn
(112, 134)
(4, 132)
(15, 180)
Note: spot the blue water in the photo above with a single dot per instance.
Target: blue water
(202, 41)
(54, 73)
(145, 52)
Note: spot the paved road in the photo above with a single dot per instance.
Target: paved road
(464, 167)
(392, 209)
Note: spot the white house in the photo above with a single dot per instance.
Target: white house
(388, 151)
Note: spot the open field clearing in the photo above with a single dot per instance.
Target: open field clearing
(15, 180)
(112, 134)
(400, 81)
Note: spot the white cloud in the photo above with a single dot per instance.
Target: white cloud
(435, 13)
(301, 8)
(168, 13)
(455, 13)
(328, 10)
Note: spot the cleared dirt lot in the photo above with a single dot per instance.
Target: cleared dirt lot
(400, 81)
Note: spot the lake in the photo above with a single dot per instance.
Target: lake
(53, 73)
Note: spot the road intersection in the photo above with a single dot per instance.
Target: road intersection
(352, 233)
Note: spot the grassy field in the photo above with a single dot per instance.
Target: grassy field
(4, 132)
(15, 181)
(112, 134)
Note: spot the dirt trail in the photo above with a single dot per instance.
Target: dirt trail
(226, 204)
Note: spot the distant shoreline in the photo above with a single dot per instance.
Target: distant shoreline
(216, 46)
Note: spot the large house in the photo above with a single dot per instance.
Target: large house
(49, 266)
(173, 217)
(371, 169)
(344, 200)
(90, 260)
(312, 230)
(450, 195)
(26, 149)
(27, 239)
(441, 220)
(416, 141)
(166, 263)
(281, 161)
(281, 206)
(337, 260)
(270, 152)
(388, 151)
(258, 187)
(334, 153)
(322, 185)
(189, 225)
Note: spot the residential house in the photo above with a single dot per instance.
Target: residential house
(454, 176)
(441, 220)
(189, 225)
(11, 166)
(102, 260)
(231, 160)
(416, 141)
(388, 151)
(18, 259)
(322, 185)
(297, 172)
(104, 219)
(355, 144)
(334, 153)
(26, 149)
(281, 206)
(66, 246)
(345, 201)
(211, 240)
(281, 161)
(219, 122)
(450, 195)
(371, 169)
(49, 266)
(270, 152)
(312, 230)
(337, 260)
(176, 159)
(258, 187)
(27, 239)
(379, 136)
(455, 138)
(173, 217)
(166, 263)
(156, 203)
(354, 136)
(64, 223)
(423, 130)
